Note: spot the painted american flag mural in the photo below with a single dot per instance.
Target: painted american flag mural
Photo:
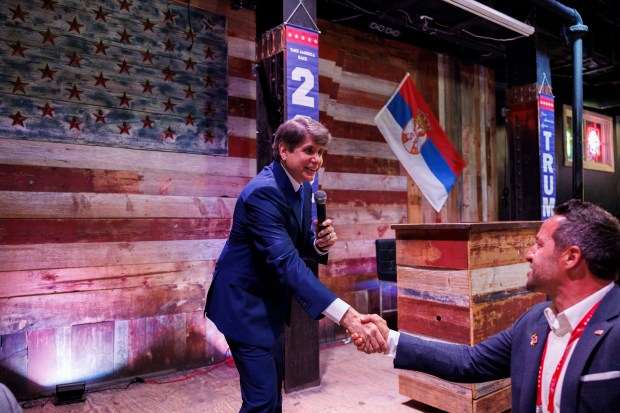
(146, 74)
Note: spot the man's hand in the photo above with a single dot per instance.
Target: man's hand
(372, 338)
(381, 325)
(327, 237)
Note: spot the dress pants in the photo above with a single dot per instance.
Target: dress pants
(261, 373)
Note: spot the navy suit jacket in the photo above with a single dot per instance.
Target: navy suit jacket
(592, 379)
(262, 264)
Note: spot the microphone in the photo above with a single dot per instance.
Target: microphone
(319, 198)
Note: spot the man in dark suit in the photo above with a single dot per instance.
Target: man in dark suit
(562, 356)
(262, 266)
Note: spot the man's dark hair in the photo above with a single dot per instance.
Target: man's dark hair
(595, 231)
(294, 131)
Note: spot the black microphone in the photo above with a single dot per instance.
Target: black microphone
(319, 198)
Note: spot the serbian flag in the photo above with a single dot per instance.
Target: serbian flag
(419, 143)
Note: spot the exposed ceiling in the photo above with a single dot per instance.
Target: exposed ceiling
(440, 26)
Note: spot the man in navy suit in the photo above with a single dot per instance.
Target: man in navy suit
(563, 355)
(262, 266)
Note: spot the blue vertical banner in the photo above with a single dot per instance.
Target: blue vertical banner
(302, 72)
(547, 154)
(302, 78)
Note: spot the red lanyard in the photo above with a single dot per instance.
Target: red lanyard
(577, 332)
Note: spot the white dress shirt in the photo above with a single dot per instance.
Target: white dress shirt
(562, 327)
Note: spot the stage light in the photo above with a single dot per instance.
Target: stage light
(70, 393)
(493, 15)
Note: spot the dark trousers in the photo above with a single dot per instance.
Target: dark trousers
(261, 373)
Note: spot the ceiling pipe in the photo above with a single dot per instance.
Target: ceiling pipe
(577, 31)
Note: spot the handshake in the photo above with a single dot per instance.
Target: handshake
(369, 332)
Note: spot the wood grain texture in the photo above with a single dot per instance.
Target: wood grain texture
(452, 397)
(435, 319)
(16, 204)
(109, 277)
(59, 231)
(94, 254)
(50, 311)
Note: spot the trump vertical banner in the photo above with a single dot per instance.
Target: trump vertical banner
(302, 72)
(419, 143)
(547, 154)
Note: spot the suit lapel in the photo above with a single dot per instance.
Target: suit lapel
(609, 307)
(287, 189)
(537, 340)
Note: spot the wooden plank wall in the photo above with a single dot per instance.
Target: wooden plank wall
(366, 186)
(106, 253)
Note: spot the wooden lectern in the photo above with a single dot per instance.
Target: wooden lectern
(461, 283)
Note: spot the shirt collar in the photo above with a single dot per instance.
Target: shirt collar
(296, 185)
(566, 321)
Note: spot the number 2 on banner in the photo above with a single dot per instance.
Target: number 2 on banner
(300, 95)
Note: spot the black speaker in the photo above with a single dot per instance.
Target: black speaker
(386, 259)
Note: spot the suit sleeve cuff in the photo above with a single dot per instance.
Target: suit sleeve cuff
(392, 342)
(335, 311)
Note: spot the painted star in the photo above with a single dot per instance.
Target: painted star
(169, 134)
(74, 59)
(101, 48)
(208, 81)
(100, 80)
(74, 25)
(209, 137)
(18, 50)
(147, 56)
(169, 74)
(74, 92)
(148, 88)
(46, 72)
(19, 14)
(100, 14)
(169, 45)
(169, 106)
(189, 120)
(189, 64)
(123, 5)
(124, 128)
(47, 110)
(169, 17)
(124, 67)
(19, 86)
(148, 25)
(189, 93)
(209, 53)
(100, 116)
(209, 109)
(125, 36)
(48, 37)
(147, 123)
(49, 4)
(74, 123)
(124, 100)
(18, 119)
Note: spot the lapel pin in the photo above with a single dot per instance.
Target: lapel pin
(534, 340)
(598, 332)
